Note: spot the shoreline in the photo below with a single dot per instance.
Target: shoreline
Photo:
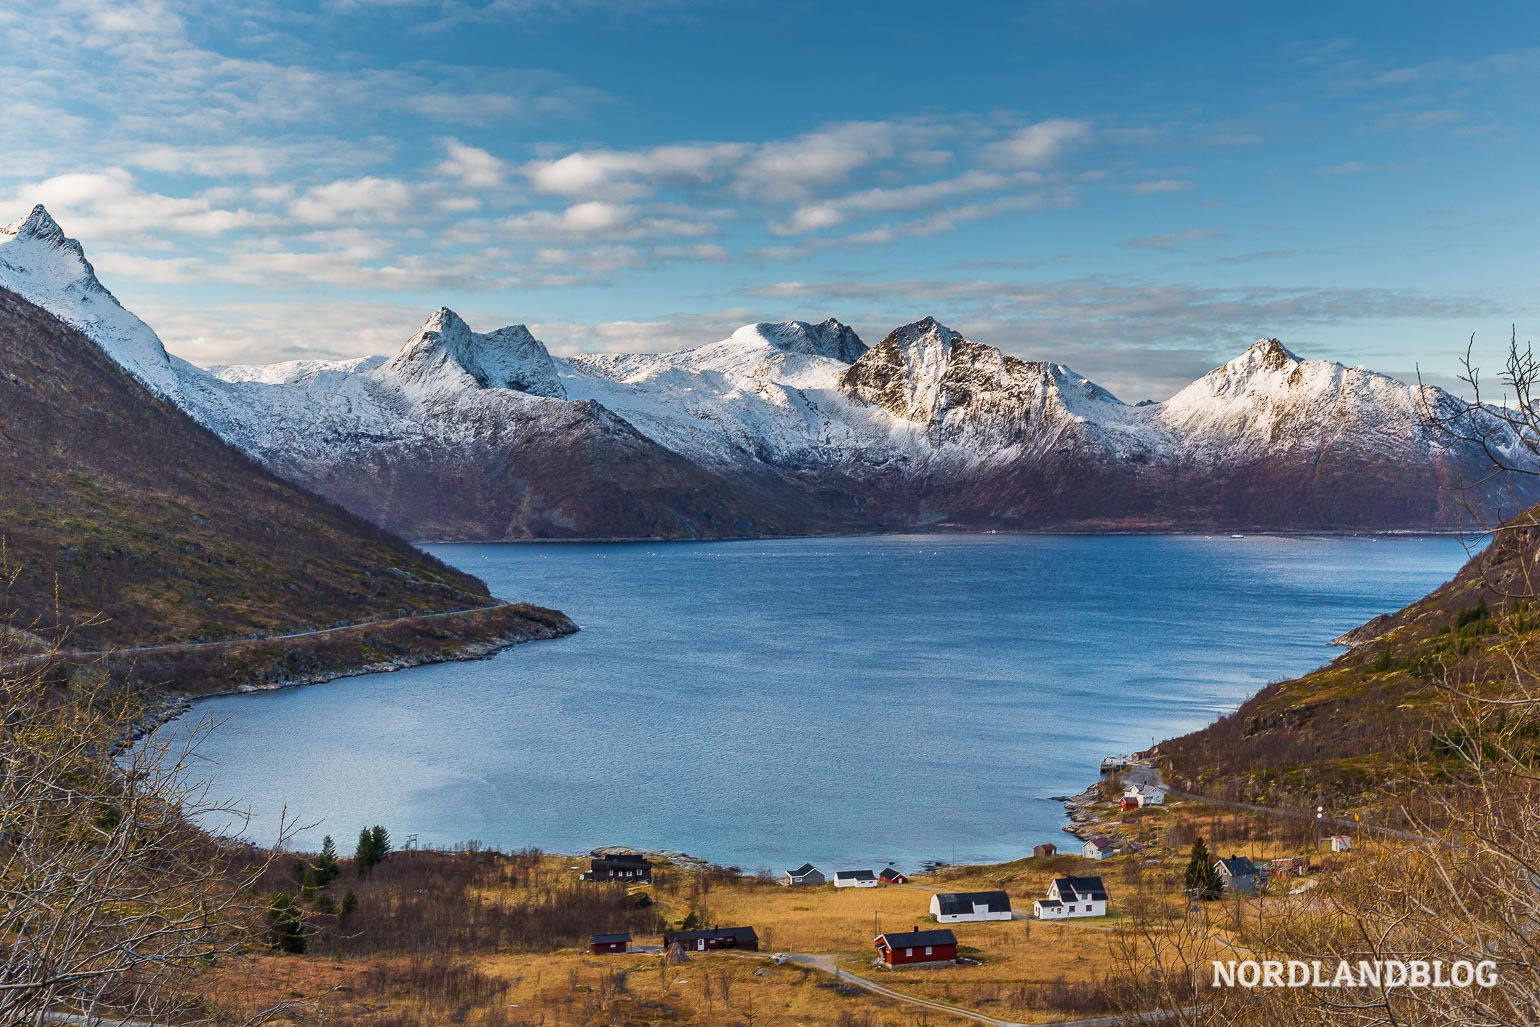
(1396, 533)
(168, 706)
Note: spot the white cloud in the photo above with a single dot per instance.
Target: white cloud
(473, 168)
(353, 199)
(1036, 146)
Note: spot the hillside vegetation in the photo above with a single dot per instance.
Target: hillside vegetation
(1411, 688)
(124, 523)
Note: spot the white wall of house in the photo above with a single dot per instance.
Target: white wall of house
(1090, 851)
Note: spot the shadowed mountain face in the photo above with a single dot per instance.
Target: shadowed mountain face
(122, 516)
(799, 427)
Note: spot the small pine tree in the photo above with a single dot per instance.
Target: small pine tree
(285, 924)
(363, 857)
(1202, 879)
(325, 865)
(349, 903)
(381, 839)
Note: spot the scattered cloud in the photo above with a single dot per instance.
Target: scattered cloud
(1173, 241)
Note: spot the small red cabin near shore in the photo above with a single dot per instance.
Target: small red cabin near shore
(917, 948)
(605, 943)
(891, 876)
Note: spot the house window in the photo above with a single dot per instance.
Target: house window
(927, 950)
(908, 952)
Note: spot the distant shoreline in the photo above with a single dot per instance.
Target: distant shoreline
(983, 532)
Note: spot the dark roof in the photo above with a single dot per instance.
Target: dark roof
(743, 934)
(1237, 866)
(859, 875)
(1101, 841)
(608, 939)
(1087, 887)
(803, 870)
(1049, 903)
(918, 939)
(624, 858)
(963, 902)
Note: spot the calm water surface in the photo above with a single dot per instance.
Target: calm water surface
(850, 701)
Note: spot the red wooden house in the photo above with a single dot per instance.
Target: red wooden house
(606, 943)
(891, 876)
(917, 948)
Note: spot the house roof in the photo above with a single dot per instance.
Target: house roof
(1101, 841)
(854, 875)
(610, 939)
(743, 934)
(623, 859)
(1049, 903)
(917, 939)
(950, 903)
(1087, 889)
(803, 870)
(1236, 866)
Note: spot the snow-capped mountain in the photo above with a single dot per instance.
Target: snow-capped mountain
(40, 264)
(792, 427)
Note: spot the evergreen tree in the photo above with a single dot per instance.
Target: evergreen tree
(363, 857)
(285, 924)
(1202, 880)
(349, 903)
(381, 839)
(373, 847)
(325, 864)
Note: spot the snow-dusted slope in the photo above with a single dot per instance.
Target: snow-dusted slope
(968, 395)
(41, 264)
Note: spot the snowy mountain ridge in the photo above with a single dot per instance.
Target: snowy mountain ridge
(788, 426)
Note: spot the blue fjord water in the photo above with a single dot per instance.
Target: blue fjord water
(852, 701)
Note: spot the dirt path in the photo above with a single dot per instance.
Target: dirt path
(830, 965)
(178, 647)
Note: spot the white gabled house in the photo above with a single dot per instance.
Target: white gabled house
(1099, 847)
(1072, 897)
(1144, 795)
(960, 907)
(855, 879)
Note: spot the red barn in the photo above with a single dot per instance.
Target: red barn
(917, 948)
(891, 876)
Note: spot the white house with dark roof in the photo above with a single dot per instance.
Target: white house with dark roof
(1144, 795)
(805, 874)
(1099, 847)
(855, 879)
(960, 907)
(1238, 874)
(1072, 897)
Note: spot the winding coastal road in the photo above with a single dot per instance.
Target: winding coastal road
(176, 647)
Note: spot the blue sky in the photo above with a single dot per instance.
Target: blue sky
(1137, 189)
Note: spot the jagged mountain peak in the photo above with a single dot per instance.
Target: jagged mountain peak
(829, 338)
(1264, 355)
(445, 352)
(926, 331)
(41, 264)
(38, 225)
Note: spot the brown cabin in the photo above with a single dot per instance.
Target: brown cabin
(604, 944)
(715, 938)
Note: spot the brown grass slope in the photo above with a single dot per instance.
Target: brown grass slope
(127, 522)
(1351, 733)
